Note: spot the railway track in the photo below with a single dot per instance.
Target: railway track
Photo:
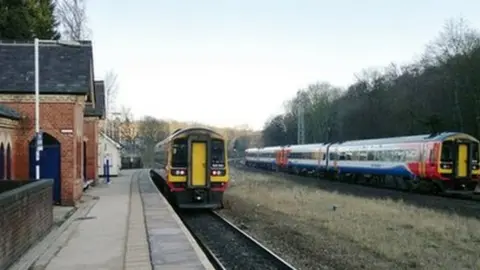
(227, 246)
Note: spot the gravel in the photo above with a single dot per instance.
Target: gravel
(231, 248)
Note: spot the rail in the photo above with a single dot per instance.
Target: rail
(227, 246)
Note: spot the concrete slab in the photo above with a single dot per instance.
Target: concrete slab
(62, 213)
(171, 244)
(38, 255)
(98, 242)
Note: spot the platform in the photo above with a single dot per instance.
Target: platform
(171, 244)
(112, 234)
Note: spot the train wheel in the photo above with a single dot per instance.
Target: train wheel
(412, 184)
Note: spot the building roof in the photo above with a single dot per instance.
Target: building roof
(63, 69)
(7, 112)
(98, 109)
(112, 141)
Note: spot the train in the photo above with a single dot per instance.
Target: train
(433, 163)
(191, 169)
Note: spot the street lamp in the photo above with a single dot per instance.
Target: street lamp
(38, 135)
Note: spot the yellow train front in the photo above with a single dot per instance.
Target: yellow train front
(191, 168)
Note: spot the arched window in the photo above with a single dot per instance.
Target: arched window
(2, 161)
(9, 162)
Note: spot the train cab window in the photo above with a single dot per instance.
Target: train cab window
(348, 156)
(475, 152)
(447, 151)
(180, 153)
(218, 153)
(341, 156)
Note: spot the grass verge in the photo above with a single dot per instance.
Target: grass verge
(317, 229)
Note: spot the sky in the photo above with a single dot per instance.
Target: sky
(229, 63)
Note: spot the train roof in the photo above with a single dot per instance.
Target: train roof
(270, 148)
(182, 131)
(310, 145)
(391, 140)
(405, 139)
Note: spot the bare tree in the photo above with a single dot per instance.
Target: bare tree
(127, 128)
(150, 131)
(72, 16)
(111, 90)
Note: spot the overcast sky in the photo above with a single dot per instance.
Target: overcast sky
(235, 62)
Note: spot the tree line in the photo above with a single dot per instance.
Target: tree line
(43, 19)
(23, 20)
(439, 92)
(139, 137)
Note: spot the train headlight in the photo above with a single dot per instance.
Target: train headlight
(178, 172)
(218, 172)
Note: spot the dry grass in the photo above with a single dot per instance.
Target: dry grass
(321, 230)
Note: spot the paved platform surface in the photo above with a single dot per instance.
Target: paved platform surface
(171, 244)
(99, 239)
(125, 225)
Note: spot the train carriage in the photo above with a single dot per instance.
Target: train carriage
(267, 157)
(443, 161)
(191, 168)
(307, 158)
(251, 156)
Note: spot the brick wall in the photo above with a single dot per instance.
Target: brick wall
(56, 113)
(26, 215)
(90, 127)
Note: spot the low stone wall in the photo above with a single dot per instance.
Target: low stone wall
(26, 215)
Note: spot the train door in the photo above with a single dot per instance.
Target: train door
(286, 153)
(462, 160)
(199, 163)
(278, 157)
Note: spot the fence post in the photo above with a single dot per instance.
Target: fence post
(108, 171)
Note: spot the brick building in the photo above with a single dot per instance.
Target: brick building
(94, 113)
(8, 124)
(68, 114)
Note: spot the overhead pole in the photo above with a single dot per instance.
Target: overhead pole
(300, 124)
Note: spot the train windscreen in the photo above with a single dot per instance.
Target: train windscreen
(180, 153)
(475, 153)
(218, 153)
(447, 151)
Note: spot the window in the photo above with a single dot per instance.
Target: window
(475, 152)
(218, 153)
(333, 156)
(447, 151)
(180, 153)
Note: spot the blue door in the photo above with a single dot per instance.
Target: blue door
(50, 164)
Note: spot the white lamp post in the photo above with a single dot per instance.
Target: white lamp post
(38, 136)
